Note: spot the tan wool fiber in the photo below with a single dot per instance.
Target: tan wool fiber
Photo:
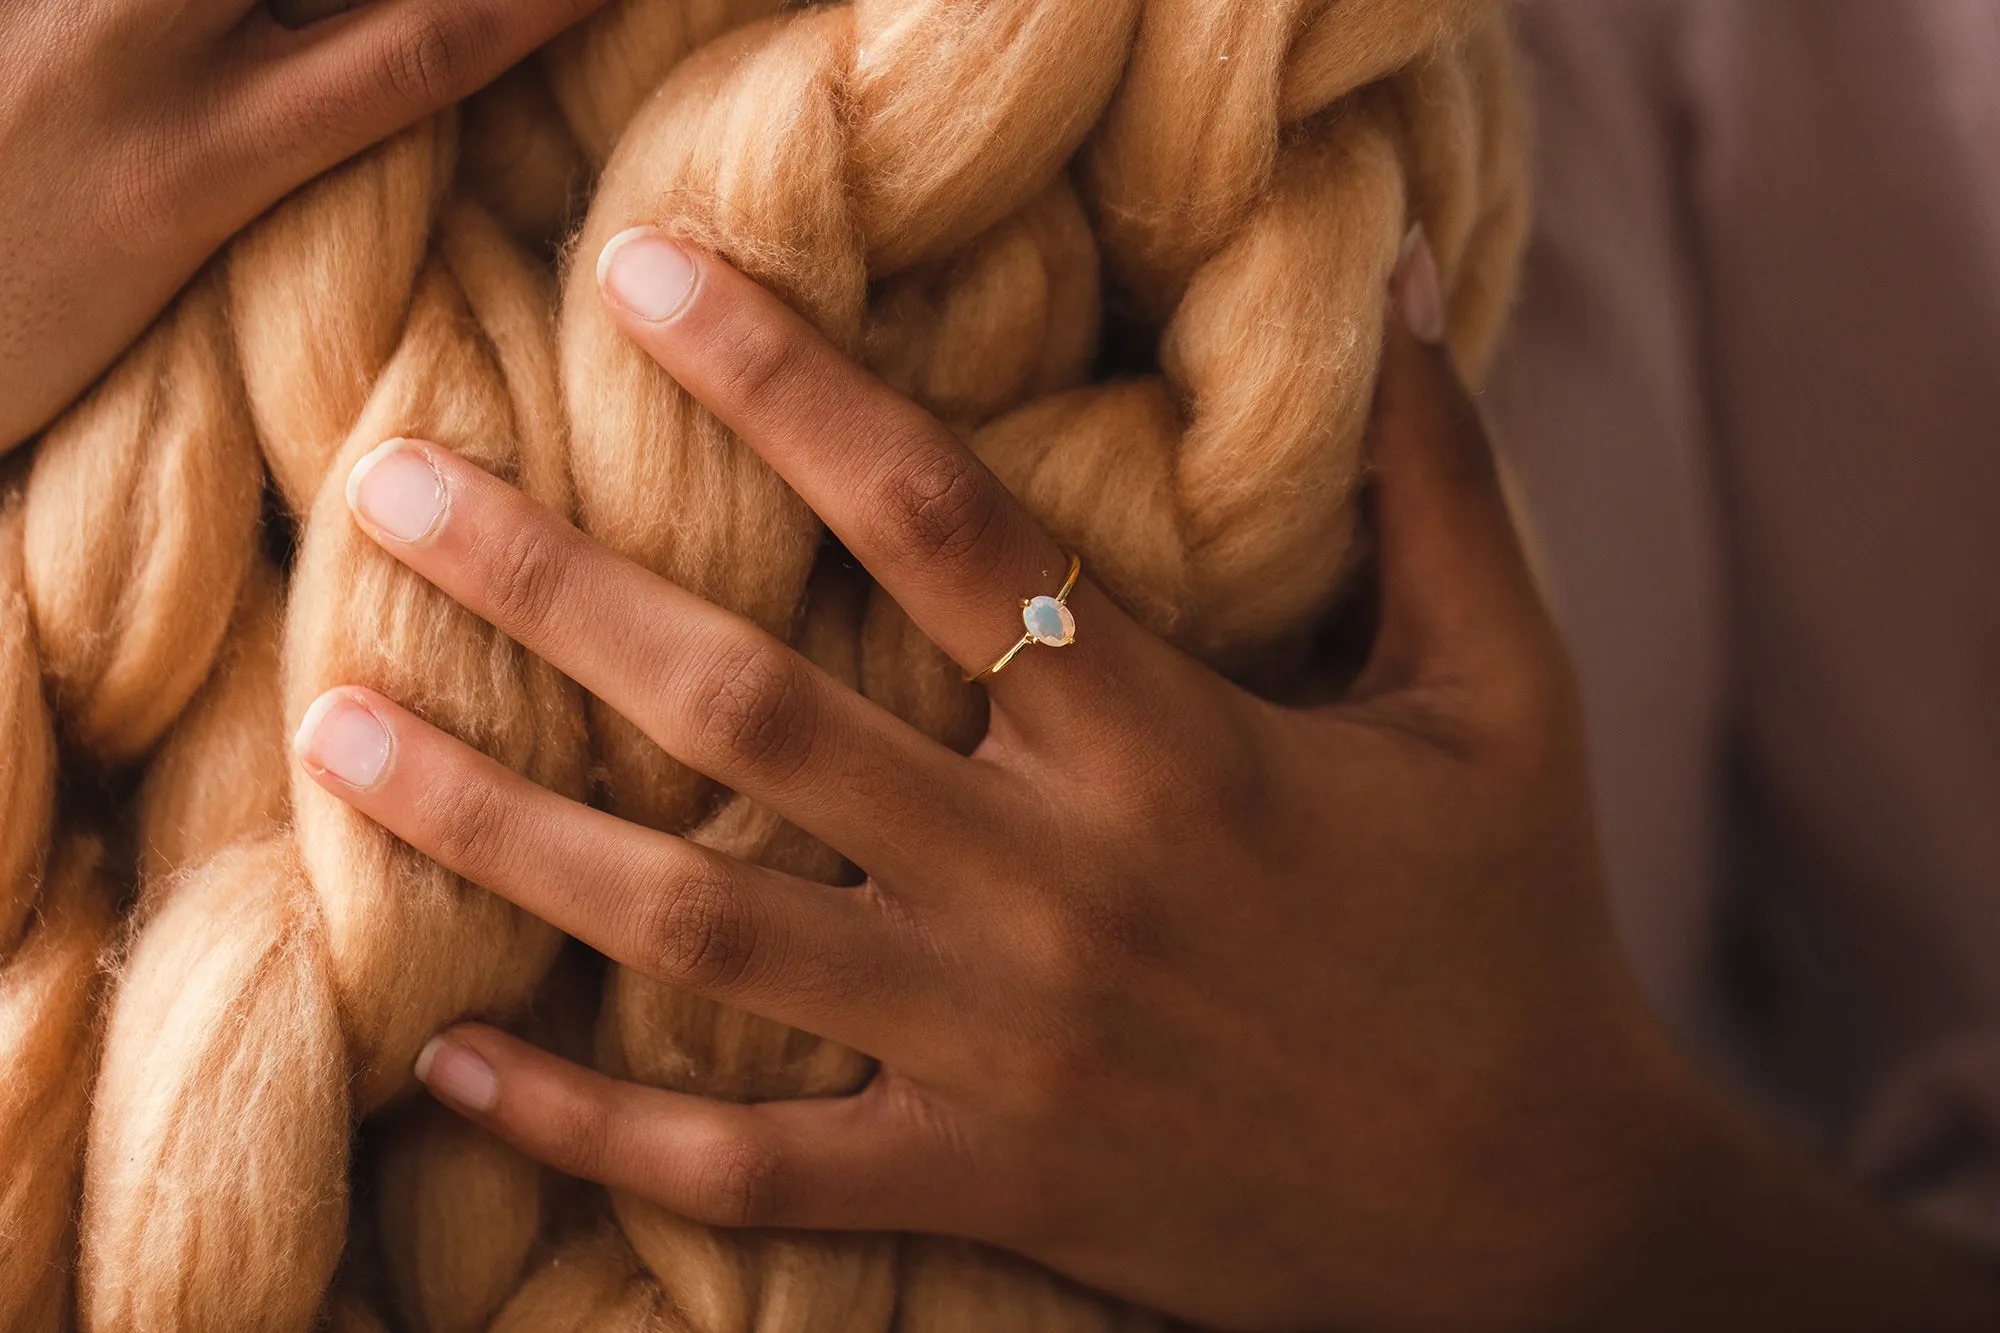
(1135, 252)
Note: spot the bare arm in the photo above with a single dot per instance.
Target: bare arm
(137, 135)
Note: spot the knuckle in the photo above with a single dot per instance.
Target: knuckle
(940, 507)
(694, 936)
(758, 366)
(135, 195)
(526, 577)
(739, 1182)
(166, 180)
(465, 821)
(755, 710)
(573, 1133)
(432, 57)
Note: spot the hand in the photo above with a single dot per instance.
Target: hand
(1259, 1016)
(137, 135)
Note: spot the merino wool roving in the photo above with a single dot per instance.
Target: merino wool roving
(214, 977)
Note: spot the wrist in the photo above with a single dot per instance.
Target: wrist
(1680, 1146)
(1717, 1222)
(1641, 1165)
(1538, 1213)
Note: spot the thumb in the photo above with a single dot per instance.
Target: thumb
(1458, 597)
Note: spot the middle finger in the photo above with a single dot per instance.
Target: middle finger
(708, 687)
(930, 521)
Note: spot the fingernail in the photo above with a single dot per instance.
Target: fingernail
(339, 735)
(455, 1073)
(397, 488)
(646, 273)
(1418, 294)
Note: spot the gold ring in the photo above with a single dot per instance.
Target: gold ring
(1048, 620)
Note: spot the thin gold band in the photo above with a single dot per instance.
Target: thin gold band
(1061, 598)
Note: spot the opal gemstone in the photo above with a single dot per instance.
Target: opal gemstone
(1048, 621)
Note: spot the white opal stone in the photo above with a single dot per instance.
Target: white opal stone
(1049, 621)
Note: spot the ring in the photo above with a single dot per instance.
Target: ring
(1048, 620)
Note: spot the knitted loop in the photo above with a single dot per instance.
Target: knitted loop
(28, 775)
(965, 195)
(132, 585)
(48, 1051)
(216, 1191)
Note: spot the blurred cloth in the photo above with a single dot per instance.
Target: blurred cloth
(1754, 404)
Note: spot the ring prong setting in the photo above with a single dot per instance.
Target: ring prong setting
(1047, 620)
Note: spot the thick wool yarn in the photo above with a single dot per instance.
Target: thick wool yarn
(212, 972)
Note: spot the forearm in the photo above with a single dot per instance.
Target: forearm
(1743, 1231)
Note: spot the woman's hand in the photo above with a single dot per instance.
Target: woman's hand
(1256, 1015)
(137, 135)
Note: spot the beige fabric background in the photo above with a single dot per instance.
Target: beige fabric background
(1754, 400)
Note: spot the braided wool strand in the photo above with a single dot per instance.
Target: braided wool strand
(203, 1000)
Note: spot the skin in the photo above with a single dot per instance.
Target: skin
(1298, 1018)
(137, 135)
(1301, 1019)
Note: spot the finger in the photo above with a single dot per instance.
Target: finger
(718, 693)
(298, 13)
(812, 956)
(835, 1163)
(347, 75)
(928, 519)
(1457, 593)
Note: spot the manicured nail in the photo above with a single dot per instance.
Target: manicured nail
(646, 273)
(341, 736)
(1418, 294)
(455, 1074)
(397, 488)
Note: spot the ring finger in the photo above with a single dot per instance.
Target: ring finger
(940, 532)
(829, 960)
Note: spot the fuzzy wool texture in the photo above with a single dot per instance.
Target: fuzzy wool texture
(49, 1044)
(215, 977)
